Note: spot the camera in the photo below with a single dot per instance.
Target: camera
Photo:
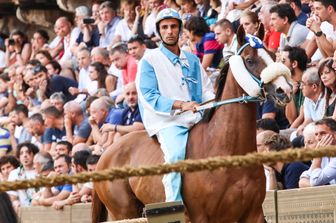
(88, 21)
(11, 42)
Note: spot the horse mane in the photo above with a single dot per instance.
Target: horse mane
(219, 86)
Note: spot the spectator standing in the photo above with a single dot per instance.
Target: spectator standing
(85, 84)
(18, 49)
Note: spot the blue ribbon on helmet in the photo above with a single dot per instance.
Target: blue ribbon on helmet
(251, 41)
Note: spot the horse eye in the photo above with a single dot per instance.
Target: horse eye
(249, 61)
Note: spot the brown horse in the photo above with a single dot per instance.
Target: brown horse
(221, 196)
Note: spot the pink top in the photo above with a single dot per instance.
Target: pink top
(129, 73)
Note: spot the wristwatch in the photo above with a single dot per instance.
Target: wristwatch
(319, 33)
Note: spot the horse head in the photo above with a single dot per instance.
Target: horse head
(256, 72)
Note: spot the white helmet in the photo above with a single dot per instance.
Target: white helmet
(167, 13)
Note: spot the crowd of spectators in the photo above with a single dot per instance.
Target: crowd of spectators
(64, 100)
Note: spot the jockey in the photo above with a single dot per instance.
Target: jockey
(169, 81)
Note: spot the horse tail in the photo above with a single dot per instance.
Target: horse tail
(99, 211)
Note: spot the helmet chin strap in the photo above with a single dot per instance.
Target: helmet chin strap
(169, 44)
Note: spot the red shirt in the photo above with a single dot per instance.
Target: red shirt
(272, 39)
(129, 73)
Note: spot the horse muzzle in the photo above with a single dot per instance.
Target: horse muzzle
(281, 97)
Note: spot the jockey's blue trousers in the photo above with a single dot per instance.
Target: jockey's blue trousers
(173, 142)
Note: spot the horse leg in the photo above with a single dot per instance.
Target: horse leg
(99, 212)
(119, 199)
(255, 215)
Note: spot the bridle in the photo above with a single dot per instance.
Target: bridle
(258, 93)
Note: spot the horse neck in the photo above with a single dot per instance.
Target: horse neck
(233, 125)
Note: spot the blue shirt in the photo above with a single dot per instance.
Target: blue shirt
(66, 187)
(84, 129)
(269, 107)
(113, 116)
(58, 83)
(290, 174)
(128, 117)
(110, 28)
(302, 18)
(53, 135)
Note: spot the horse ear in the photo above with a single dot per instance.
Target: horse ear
(261, 31)
(241, 35)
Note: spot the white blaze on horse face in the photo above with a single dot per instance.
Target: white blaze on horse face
(282, 83)
(262, 53)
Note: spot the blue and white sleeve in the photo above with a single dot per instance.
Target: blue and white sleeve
(149, 90)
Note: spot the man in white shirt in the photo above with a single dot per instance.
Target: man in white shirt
(25, 152)
(85, 84)
(226, 35)
(325, 40)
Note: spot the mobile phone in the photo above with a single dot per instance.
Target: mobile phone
(11, 42)
(88, 21)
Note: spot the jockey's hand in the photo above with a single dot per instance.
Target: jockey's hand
(189, 106)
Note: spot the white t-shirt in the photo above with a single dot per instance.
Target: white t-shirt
(117, 73)
(149, 28)
(2, 59)
(328, 30)
(231, 49)
(232, 15)
(25, 196)
(68, 43)
(85, 82)
(123, 31)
